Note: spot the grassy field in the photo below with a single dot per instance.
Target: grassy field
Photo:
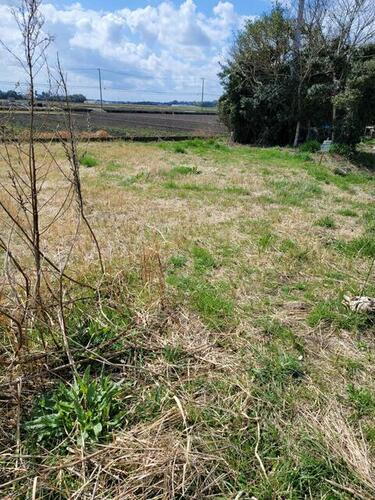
(240, 374)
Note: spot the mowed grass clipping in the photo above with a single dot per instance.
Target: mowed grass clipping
(222, 362)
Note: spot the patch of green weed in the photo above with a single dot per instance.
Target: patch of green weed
(333, 313)
(132, 179)
(311, 146)
(172, 354)
(236, 190)
(363, 246)
(326, 221)
(210, 300)
(266, 240)
(85, 412)
(182, 170)
(347, 212)
(88, 160)
(178, 148)
(362, 399)
(203, 260)
(178, 261)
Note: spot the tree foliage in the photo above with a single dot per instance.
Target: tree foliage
(326, 89)
(43, 96)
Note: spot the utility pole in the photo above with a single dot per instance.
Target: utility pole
(202, 93)
(297, 69)
(100, 87)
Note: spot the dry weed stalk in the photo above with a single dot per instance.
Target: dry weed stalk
(36, 289)
(34, 284)
(69, 144)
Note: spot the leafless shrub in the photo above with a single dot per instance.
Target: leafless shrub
(36, 284)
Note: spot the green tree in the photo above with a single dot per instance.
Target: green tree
(257, 81)
(271, 96)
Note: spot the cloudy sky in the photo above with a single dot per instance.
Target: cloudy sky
(148, 50)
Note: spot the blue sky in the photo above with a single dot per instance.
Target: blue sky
(148, 50)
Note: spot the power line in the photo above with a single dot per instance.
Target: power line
(116, 89)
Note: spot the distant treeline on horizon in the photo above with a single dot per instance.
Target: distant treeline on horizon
(43, 96)
(80, 98)
(205, 104)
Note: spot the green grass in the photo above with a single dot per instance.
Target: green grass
(363, 246)
(210, 300)
(220, 313)
(172, 354)
(88, 160)
(362, 400)
(331, 312)
(189, 187)
(238, 190)
(177, 261)
(178, 148)
(197, 146)
(278, 331)
(203, 260)
(182, 170)
(134, 179)
(113, 166)
(323, 174)
(295, 193)
(326, 221)
(266, 240)
(347, 212)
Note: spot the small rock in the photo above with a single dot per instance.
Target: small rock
(342, 171)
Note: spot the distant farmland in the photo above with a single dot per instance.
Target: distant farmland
(129, 123)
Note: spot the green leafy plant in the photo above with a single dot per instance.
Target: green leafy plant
(311, 146)
(88, 160)
(84, 412)
(340, 149)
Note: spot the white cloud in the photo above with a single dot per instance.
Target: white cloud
(166, 48)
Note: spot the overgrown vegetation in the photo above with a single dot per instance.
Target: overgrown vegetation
(179, 332)
(221, 323)
(289, 81)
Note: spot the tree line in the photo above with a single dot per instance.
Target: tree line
(42, 96)
(290, 78)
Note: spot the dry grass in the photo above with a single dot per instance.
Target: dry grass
(225, 297)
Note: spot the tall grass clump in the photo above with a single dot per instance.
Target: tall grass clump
(88, 160)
